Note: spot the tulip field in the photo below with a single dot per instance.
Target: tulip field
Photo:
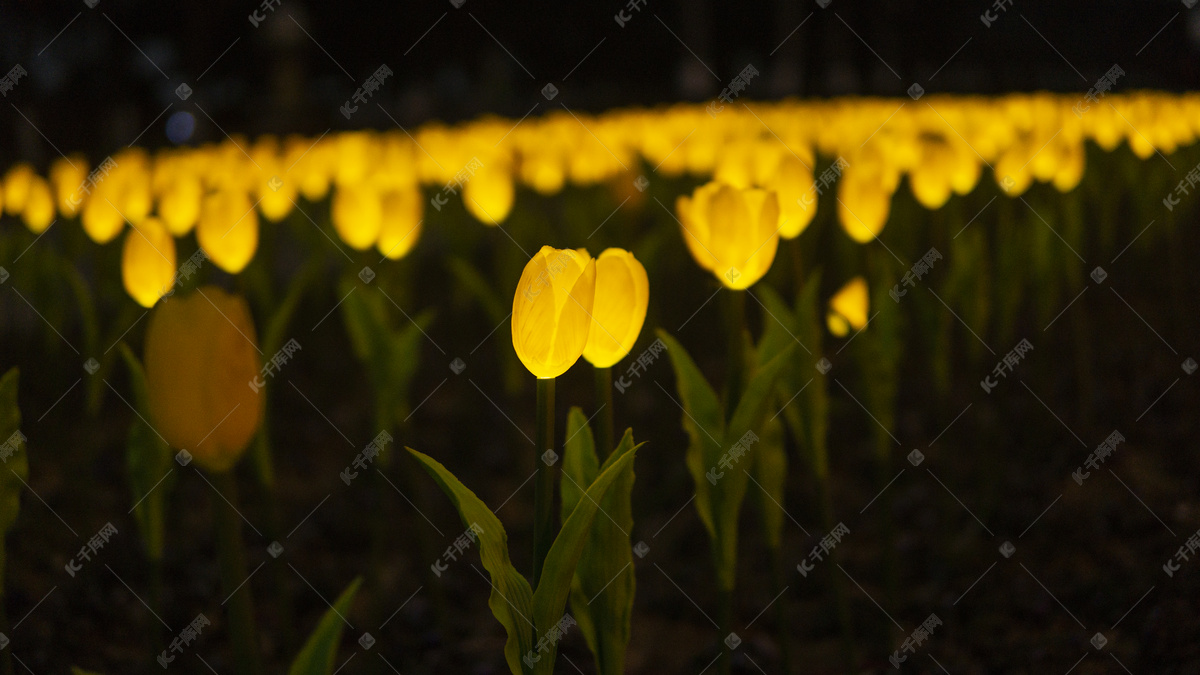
(844, 385)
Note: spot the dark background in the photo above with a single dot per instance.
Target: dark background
(91, 90)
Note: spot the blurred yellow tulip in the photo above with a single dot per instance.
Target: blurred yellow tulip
(732, 233)
(101, 219)
(488, 195)
(400, 225)
(228, 229)
(357, 215)
(552, 310)
(16, 187)
(622, 293)
(848, 308)
(66, 175)
(793, 184)
(39, 206)
(179, 204)
(148, 262)
(864, 202)
(201, 355)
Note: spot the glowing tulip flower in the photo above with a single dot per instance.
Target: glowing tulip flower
(101, 219)
(732, 233)
(66, 175)
(793, 184)
(552, 310)
(488, 195)
(864, 202)
(400, 225)
(201, 355)
(622, 293)
(357, 215)
(228, 230)
(848, 308)
(16, 187)
(39, 206)
(179, 203)
(148, 262)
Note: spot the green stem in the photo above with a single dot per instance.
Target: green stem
(232, 558)
(604, 427)
(543, 484)
(781, 619)
(724, 621)
(735, 306)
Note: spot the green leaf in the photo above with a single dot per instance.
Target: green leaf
(11, 481)
(580, 465)
(779, 325)
(550, 598)
(279, 320)
(770, 472)
(604, 586)
(403, 359)
(467, 277)
(702, 420)
(148, 462)
(730, 490)
(511, 600)
(317, 655)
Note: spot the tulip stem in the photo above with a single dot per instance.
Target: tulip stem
(232, 558)
(543, 484)
(604, 427)
(736, 323)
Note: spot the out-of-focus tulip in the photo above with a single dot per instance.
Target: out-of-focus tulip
(101, 219)
(793, 184)
(179, 204)
(357, 215)
(864, 202)
(400, 225)
(622, 293)
(39, 206)
(732, 233)
(148, 262)
(67, 175)
(201, 355)
(16, 187)
(488, 195)
(848, 308)
(228, 230)
(552, 310)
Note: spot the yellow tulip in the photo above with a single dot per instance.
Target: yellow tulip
(66, 176)
(148, 262)
(848, 308)
(732, 233)
(356, 215)
(864, 202)
(101, 219)
(201, 355)
(622, 293)
(400, 226)
(179, 204)
(16, 187)
(228, 230)
(488, 195)
(39, 206)
(552, 310)
(796, 190)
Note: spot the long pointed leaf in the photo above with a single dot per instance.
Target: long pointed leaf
(319, 651)
(704, 423)
(550, 598)
(511, 600)
(148, 462)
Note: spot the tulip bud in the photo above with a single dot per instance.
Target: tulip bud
(488, 195)
(401, 222)
(622, 293)
(731, 232)
(148, 262)
(848, 308)
(552, 310)
(356, 215)
(228, 229)
(39, 206)
(16, 187)
(200, 358)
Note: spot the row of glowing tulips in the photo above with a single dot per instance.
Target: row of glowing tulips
(940, 144)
